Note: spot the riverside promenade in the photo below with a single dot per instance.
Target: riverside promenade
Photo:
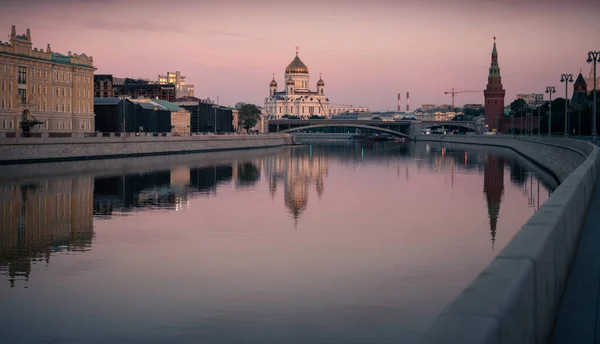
(543, 286)
(18, 150)
(578, 316)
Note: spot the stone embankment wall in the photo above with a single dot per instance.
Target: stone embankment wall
(19, 150)
(515, 298)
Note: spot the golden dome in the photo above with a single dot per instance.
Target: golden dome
(320, 82)
(296, 67)
(273, 83)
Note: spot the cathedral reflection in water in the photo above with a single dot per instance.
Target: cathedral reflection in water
(50, 216)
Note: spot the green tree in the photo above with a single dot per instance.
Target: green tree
(249, 114)
(519, 107)
(376, 118)
(314, 117)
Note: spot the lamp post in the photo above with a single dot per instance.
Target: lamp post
(593, 56)
(550, 90)
(566, 78)
(539, 128)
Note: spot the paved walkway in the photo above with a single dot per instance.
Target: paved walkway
(578, 317)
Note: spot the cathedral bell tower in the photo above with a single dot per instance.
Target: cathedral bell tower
(494, 94)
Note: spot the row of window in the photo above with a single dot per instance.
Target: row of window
(311, 109)
(42, 106)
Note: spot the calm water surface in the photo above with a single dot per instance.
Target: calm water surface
(325, 243)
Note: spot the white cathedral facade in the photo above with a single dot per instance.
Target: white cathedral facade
(296, 99)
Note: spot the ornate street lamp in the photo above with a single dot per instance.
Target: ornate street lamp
(593, 56)
(550, 90)
(566, 78)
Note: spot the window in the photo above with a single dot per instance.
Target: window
(39, 89)
(57, 108)
(23, 95)
(57, 92)
(10, 87)
(69, 92)
(45, 74)
(63, 91)
(10, 103)
(45, 89)
(10, 124)
(45, 108)
(2, 107)
(32, 89)
(3, 124)
(3, 85)
(68, 107)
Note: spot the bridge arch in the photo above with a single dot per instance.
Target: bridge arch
(358, 126)
(469, 127)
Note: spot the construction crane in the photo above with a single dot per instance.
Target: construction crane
(453, 92)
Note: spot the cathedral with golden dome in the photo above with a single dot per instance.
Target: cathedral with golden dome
(296, 98)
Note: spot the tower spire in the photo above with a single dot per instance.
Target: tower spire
(297, 48)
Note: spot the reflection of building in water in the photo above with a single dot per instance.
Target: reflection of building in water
(246, 174)
(493, 188)
(297, 172)
(165, 189)
(39, 219)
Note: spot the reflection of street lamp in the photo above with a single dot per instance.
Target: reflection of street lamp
(566, 78)
(593, 56)
(550, 90)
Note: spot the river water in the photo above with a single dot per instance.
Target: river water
(338, 242)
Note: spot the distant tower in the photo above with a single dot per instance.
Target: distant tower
(399, 103)
(320, 85)
(579, 90)
(494, 94)
(273, 86)
(407, 101)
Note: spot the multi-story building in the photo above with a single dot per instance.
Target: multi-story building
(532, 99)
(427, 107)
(182, 89)
(180, 117)
(340, 109)
(207, 117)
(106, 86)
(42, 90)
(473, 106)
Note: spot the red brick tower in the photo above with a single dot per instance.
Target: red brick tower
(494, 95)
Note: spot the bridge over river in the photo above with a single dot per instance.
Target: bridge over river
(402, 128)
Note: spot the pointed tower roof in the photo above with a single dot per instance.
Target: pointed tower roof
(580, 79)
(494, 68)
(273, 82)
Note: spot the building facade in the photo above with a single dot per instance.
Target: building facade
(340, 109)
(131, 116)
(182, 89)
(494, 94)
(180, 117)
(532, 99)
(207, 117)
(296, 99)
(105, 85)
(42, 90)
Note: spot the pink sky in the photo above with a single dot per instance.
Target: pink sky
(368, 51)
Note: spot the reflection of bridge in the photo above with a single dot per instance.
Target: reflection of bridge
(402, 128)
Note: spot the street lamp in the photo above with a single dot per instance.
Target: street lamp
(593, 56)
(566, 78)
(550, 90)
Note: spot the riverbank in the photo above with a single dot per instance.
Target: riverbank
(47, 149)
(515, 298)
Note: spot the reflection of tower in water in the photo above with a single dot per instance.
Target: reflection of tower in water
(39, 219)
(493, 188)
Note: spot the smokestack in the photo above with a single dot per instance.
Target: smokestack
(407, 102)
(399, 103)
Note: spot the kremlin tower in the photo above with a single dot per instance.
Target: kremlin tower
(494, 94)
